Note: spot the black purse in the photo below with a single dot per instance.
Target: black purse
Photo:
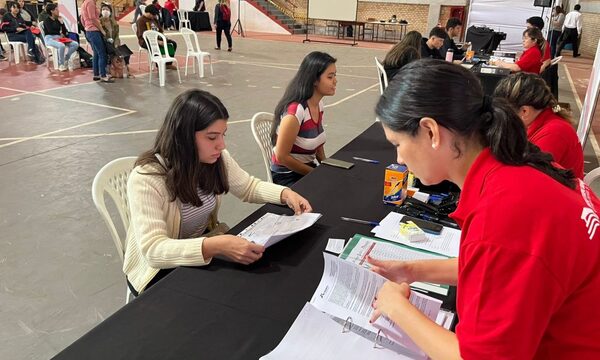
(123, 51)
(110, 48)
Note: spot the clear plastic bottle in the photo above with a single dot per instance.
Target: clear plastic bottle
(449, 55)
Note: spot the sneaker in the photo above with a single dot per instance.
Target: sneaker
(229, 49)
(217, 48)
(96, 78)
(62, 68)
(106, 80)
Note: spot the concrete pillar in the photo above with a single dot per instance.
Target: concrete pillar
(435, 9)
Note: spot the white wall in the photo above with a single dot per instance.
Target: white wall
(254, 20)
(507, 16)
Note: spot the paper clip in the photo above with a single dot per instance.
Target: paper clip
(349, 322)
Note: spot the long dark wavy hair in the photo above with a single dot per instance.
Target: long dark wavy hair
(421, 90)
(302, 86)
(527, 89)
(404, 51)
(191, 111)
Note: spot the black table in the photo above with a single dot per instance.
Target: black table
(489, 81)
(230, 311)
(199, 20)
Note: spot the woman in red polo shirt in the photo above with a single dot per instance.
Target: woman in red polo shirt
(531, 59)
(528, 273)
(548, 126)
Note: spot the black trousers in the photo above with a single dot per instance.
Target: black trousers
(569, 36)
(224, 26)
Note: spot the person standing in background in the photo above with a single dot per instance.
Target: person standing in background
(571, 31)
(90, 18)
(223, 23)
(138, 10)
(173, 20)
(200, 5)
(556, 25)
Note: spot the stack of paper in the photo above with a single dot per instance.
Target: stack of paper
(315, 336)
(447, 243)
(359, 247)
(271, 228)
(347, 291)
(335, 324)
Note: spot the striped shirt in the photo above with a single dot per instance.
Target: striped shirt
(195, 219)
(310, 135)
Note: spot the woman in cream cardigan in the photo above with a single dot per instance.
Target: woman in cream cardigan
(174, 193)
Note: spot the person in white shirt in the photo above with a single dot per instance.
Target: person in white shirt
(571, 31)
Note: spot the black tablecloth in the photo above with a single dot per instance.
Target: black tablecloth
(230, 311)
(489, 81)
(199, 20)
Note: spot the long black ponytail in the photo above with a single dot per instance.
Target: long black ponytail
(453, 96)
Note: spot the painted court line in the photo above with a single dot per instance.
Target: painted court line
(133, 132)
(22, 92)
(65, 129)
(351, 96)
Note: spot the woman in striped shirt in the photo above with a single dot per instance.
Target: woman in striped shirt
(175, 189)
(297, 133)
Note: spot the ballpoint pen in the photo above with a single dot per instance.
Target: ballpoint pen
(365, 160)
(374, 223)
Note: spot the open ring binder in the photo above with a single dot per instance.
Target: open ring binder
(347, 327)
(349, 322)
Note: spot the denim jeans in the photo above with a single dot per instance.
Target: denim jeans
(27, 37)
(99, 57)
(51, 40)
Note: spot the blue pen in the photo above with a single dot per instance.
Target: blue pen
(366, 160)
(373, 223)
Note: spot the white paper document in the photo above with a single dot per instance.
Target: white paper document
(359, 247)
(335, 246)
(347, 290)
(270, 228)
(446, 243)
(315, 336)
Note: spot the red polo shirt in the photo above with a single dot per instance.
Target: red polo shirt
(531, 60)
(556, 136)
(528, 270)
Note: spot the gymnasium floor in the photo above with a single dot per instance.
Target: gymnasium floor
(60, 273)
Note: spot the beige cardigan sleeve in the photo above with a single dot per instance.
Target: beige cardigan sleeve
(153, 214)
(248, 188)
(152, 217)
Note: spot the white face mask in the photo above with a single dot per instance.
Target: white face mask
(105, 13)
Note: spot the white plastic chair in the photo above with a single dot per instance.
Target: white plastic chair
(152, 38)
(381, 75)
(14, 49)
(592, 176)
(556, 60)
(140, 49)
(49, 49)
(261, 129)
(184, 21)
(112, 179)
(193, 51)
